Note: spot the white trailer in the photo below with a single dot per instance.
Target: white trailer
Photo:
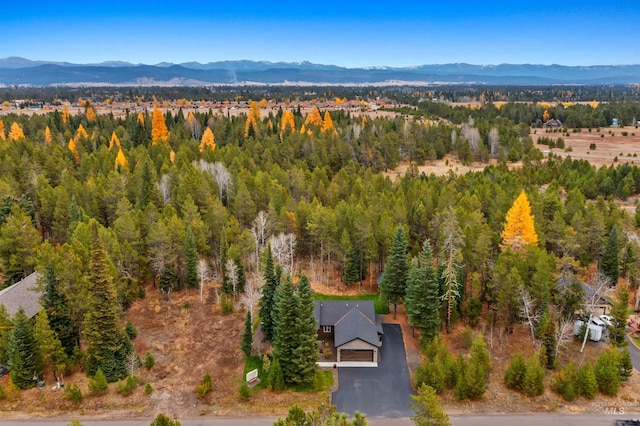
(595, 331)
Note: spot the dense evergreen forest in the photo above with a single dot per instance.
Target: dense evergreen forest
(168, 197)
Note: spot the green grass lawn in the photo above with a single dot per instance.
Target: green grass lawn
(378, 303)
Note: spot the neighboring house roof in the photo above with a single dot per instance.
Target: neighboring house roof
(351, 319)
(22, 293)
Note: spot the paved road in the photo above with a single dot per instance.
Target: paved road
(634, 354)
(379, 392)
(532, 419)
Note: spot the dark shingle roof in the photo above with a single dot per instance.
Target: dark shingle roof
(351, 319)
(355, 325)
(23, 294)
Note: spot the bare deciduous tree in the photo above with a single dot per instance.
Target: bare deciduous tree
(564, 334)
(250, 298)
(204, 273)
(494, 142)
(221, 176)
(283, 249)
(530, 316)
(260, 229)
(165, 189)
(232, 274)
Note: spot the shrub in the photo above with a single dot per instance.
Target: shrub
(245, 392)
(276, 377)
(430, 374)
(460, 390)
(586, 384)
(75, 422)
(625, 134)
(226, 304)
(73, 393)
(162, 420)
(480, 354)
(560, 143)
(514, 376)
(592, 147)
(534, 377)
(566, 381)
(98, 385)
(149, 361)
(607, 371)
(131, 330)
(148, 389)
(626, 367)
(204, 387)
(127, 386)
(467, 338)
(476, 380)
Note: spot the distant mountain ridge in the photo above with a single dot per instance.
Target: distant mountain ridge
(21, 71)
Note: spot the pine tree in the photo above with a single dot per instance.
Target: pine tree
(479, 354)
(607, 371)
(51, 350)
(247, 336)
(105, 340)
(266, 300)
(422, 302)
(306, 348)
(286, 337)
(549, 342)
(534, 377)
(242, 278)
(427, 408)
(57, 307)
(191, 260)
(394, 277)
(519, 229)
(619, 310)
(609, 263)
(586, 383)
(23, 353)
(566, 382)
(626, 366)
(5, 333)
(515, 373)
(159, 129)
(276, 376)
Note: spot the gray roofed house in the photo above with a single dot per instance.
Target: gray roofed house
(351, 328)
(22, 293)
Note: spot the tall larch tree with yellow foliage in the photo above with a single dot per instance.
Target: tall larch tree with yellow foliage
(91, 114)
(208, 140)
(74, 149)
(159, 129)
(81, 133)
(65, 113)
(47, 135)
(327, 123)
(314, 118)
(519, 230)
(2, 131)
(141, 119)
(121, 160)
(114, 141)
(251, 126)
(287, 122)
(16, 132)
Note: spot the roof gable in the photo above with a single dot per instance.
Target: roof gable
(22, 293)
(355, 325)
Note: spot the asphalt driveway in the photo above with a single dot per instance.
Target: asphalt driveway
(378, 392)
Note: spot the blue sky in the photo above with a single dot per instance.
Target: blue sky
(346, 33)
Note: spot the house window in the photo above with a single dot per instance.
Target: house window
(326, 328)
